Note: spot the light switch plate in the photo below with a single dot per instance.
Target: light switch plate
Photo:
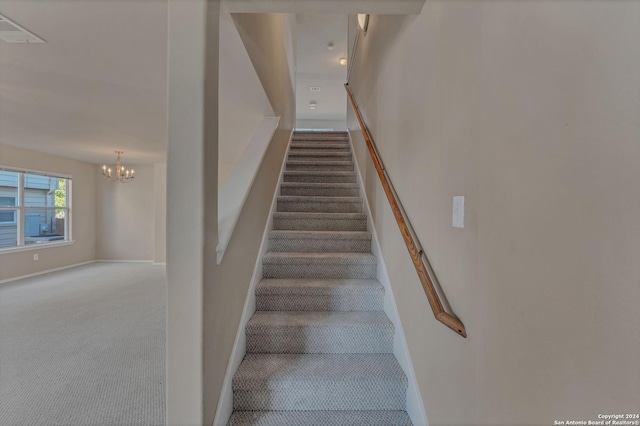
(458, 212)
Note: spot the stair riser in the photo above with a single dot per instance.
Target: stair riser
(328, 133)
(347, 395)
(369, 301)
(327, 340)
(355, 271)
(320, 152)
(320, 245)
(320, 138)
(315, 207)
(333, 146)
(319, 225)
(313, 178)
(327, 167)
(319, 192)
(320, 157)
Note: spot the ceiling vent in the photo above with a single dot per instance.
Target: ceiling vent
(314, 88)
(14, 33)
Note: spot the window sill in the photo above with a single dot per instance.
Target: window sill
(31, 247)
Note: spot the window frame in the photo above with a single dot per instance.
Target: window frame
(13, 208)
(21, 210)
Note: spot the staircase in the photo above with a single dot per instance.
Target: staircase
(319, 346)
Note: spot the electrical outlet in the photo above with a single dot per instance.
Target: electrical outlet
(35, 256)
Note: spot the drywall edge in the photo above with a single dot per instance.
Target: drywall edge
(242, 178)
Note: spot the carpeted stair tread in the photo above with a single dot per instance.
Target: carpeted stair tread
(320, 241)
(319, 216)
(320, 189)
(317, 165)
(320, 176)
(265, 321)
(320, 138)
(326, 265)
(327, 138)
(338, 146)
(319, 382)
(339, 295)
(319, 153)
(319, 332)
(315, 287)
(298, 203)
(324, 133)
(319, 199)
(320, 185)
(320, 418)
(302, 258)
(321, 235)
(263, 369)
(320, 221)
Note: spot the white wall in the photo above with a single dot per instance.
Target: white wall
(131, 218)
(530, 109)
(126, 216)
(242, 102)
(322, 124)
(84, 214)
(160, 212)
(192, 143)
(268, 41)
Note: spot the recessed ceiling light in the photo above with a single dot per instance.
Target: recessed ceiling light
(342, 61)
(330, 46)
(313, 105)
(14, 33)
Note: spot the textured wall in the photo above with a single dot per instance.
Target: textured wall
(530, 109)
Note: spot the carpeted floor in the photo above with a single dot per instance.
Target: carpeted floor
(84, 346)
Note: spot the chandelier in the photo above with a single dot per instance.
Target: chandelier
(121, 173)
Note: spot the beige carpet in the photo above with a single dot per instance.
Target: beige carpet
(85, 346)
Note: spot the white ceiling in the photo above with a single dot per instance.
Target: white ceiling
(319, 66)
(98, 84)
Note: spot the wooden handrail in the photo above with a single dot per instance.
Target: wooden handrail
(424, 270)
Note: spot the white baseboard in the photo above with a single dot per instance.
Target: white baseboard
(159, 263)
(415, 407)
(225, 402)
(35, 274)
(122, 261)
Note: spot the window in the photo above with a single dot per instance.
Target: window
(35, 208)
(7, 216)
